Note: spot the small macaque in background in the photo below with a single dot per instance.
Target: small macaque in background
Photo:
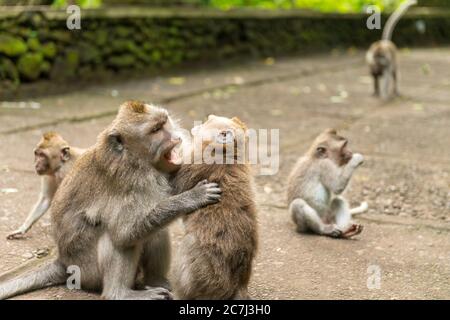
(216, 253)
(315, 186)
(53, 158)
(382, 56)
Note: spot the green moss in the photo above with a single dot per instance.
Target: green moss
(72, 59)
(45, 67)
(89, 54)
(122, 61)
(49, 50)
(33, 44)
(8, 70)
(153, 43)
(123, 32)
(101, 37)
(12, 46)
(29, 65)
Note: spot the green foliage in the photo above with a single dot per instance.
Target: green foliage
(81, 3)
(48, 50)
(29, 65)
(12, 46)
(343, 6)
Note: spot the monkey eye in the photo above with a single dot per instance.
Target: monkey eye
(225, 136)
(321, 151)
(156, 129)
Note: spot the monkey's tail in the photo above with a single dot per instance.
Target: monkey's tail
(48, 275)
(395, 17)
(362, 208)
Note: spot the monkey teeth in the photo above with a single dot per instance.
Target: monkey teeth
(172, 157)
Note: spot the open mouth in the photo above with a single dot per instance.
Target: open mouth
(173, 156)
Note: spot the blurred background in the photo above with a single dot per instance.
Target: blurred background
(117, 37)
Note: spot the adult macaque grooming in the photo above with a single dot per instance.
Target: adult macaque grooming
(216, 252)
(110, 212)
(53, 158)
(382, 55)
(316, 182)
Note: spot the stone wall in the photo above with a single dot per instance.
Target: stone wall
(37, 45)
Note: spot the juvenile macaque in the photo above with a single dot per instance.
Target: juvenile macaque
(382, 55)
(53, 158)
(216, 252)
(315, 185)
(111, 211)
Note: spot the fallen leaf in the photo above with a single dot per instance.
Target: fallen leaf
(177, 81)
(276, 112)
(8, 190)
(269, 61)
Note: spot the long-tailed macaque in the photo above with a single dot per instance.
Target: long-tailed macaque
(382, 55)
(315, 185)
(215, 256)
(110, 213)
(53, 158)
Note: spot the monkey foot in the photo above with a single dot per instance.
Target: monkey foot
(152, 293)
(353, 230)
(15, 235)
(332, 231)
(162, 283)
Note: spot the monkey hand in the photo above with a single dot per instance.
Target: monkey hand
(17, 234)
(205, 193)
(356, 160)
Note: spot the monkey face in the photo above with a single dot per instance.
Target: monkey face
(50, 153)
(41, 161)
(167, 142)
(342, 153)
(143, 131)
(222, 140)
(219, 130)
(329, 145)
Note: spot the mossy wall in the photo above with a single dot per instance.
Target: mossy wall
(434, 3)
(36, 46)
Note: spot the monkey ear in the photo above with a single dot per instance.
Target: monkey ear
(115, 141)
(344, 143)
(321, 152)
(65, 153)
(225, 136)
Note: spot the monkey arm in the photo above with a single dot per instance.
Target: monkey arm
(126, 231)
(37, 212)
(48, 189)
(336, 178)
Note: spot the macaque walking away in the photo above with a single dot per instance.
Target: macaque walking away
(111, 211)
(217, 250)
(53, 158)
(382, 56)
(315, 186)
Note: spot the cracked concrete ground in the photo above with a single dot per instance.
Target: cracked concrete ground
(405, 178)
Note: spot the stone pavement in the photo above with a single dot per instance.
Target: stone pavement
(405, 177)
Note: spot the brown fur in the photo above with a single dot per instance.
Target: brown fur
(335, 145)
(220, 242)
(49, 154)
(110, 212)
(316, 183)
(54, 158)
